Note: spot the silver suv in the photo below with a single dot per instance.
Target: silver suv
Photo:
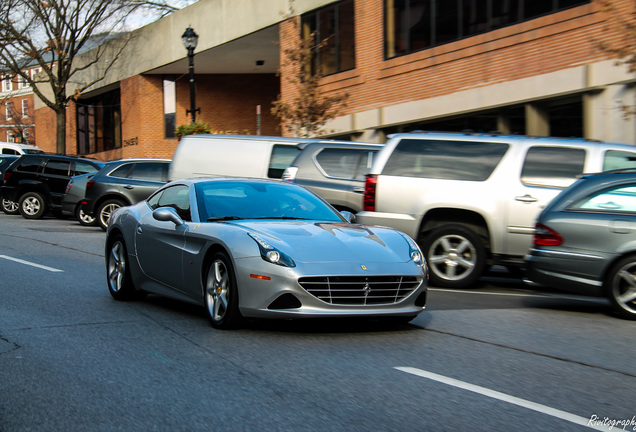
(471, 200)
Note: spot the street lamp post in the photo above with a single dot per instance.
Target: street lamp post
(190, 39)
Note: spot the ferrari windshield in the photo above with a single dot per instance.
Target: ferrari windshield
(244, 199)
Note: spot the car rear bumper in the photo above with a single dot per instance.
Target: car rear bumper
(8, 193)
(573, 272)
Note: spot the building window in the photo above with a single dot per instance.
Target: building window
(8, 111)
(332, 29)
(99, 123)
(10, 137)
(22, 83)
(35, 71)
(25, 136)
(169, 106)
(413, 25)
(25, 108)
(6, 84)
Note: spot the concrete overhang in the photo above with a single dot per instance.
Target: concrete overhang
(233, 36)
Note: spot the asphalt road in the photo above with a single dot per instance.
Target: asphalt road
(498, 357)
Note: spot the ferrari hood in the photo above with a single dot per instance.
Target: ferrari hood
(324, 242)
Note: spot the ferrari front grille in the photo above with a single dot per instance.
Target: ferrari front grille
(360, 290)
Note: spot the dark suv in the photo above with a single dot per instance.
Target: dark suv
(37, 182)
(334, 170)
(122, 183)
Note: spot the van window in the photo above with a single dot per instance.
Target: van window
(450, 160)
(282, 157)
(9, 151)
(552, 166)
(616, 159)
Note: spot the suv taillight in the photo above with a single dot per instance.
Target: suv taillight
(544, 236)
(369, 192)
(68, 186)
(7, 174)
(89, 184)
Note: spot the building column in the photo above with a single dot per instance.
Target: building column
(537, 120)
(603, 118)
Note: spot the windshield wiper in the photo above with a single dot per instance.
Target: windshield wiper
(223, 218)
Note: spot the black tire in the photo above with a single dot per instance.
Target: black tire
(83, 218)
(105, 210)
(620, 287)
(455, 255)
(220, 293)
(118, 277)
(32, 205)
(10, 207)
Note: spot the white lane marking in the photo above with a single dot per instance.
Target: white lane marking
(502, 397)
(43, 267)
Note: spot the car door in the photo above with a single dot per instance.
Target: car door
(55, 175)
(546, 171)
(159, 244)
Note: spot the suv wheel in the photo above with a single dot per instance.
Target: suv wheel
(10, 207)
(455, 256)
(83, 218)
(106, 210)
(32, 205)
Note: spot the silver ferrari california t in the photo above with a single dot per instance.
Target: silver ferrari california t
(247, 248)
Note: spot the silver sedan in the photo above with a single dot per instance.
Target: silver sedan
(258, 248)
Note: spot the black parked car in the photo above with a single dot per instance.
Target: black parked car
(122, 183)
(75, 193)
(37, 182)
(9, 207)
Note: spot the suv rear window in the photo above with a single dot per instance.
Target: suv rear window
(450, 160)
(340, 163)
(29, 166)
(616, 159)
(55, 167)
(150, 171)
(552, 166)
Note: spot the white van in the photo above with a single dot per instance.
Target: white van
(234, 156)
(19, 149)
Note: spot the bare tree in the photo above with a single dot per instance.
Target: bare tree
(621, 19)
(50, 34)
(307, 113)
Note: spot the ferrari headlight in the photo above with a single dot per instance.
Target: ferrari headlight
(414, 251)
(270, 254)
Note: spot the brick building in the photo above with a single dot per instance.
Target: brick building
(515, 66)
(17, 120)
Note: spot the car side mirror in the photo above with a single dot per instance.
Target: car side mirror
(350, 217)
(167, 214)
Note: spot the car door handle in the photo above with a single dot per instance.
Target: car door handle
(129, 187)
(526, 198)
(139, 230)
(358, 189)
